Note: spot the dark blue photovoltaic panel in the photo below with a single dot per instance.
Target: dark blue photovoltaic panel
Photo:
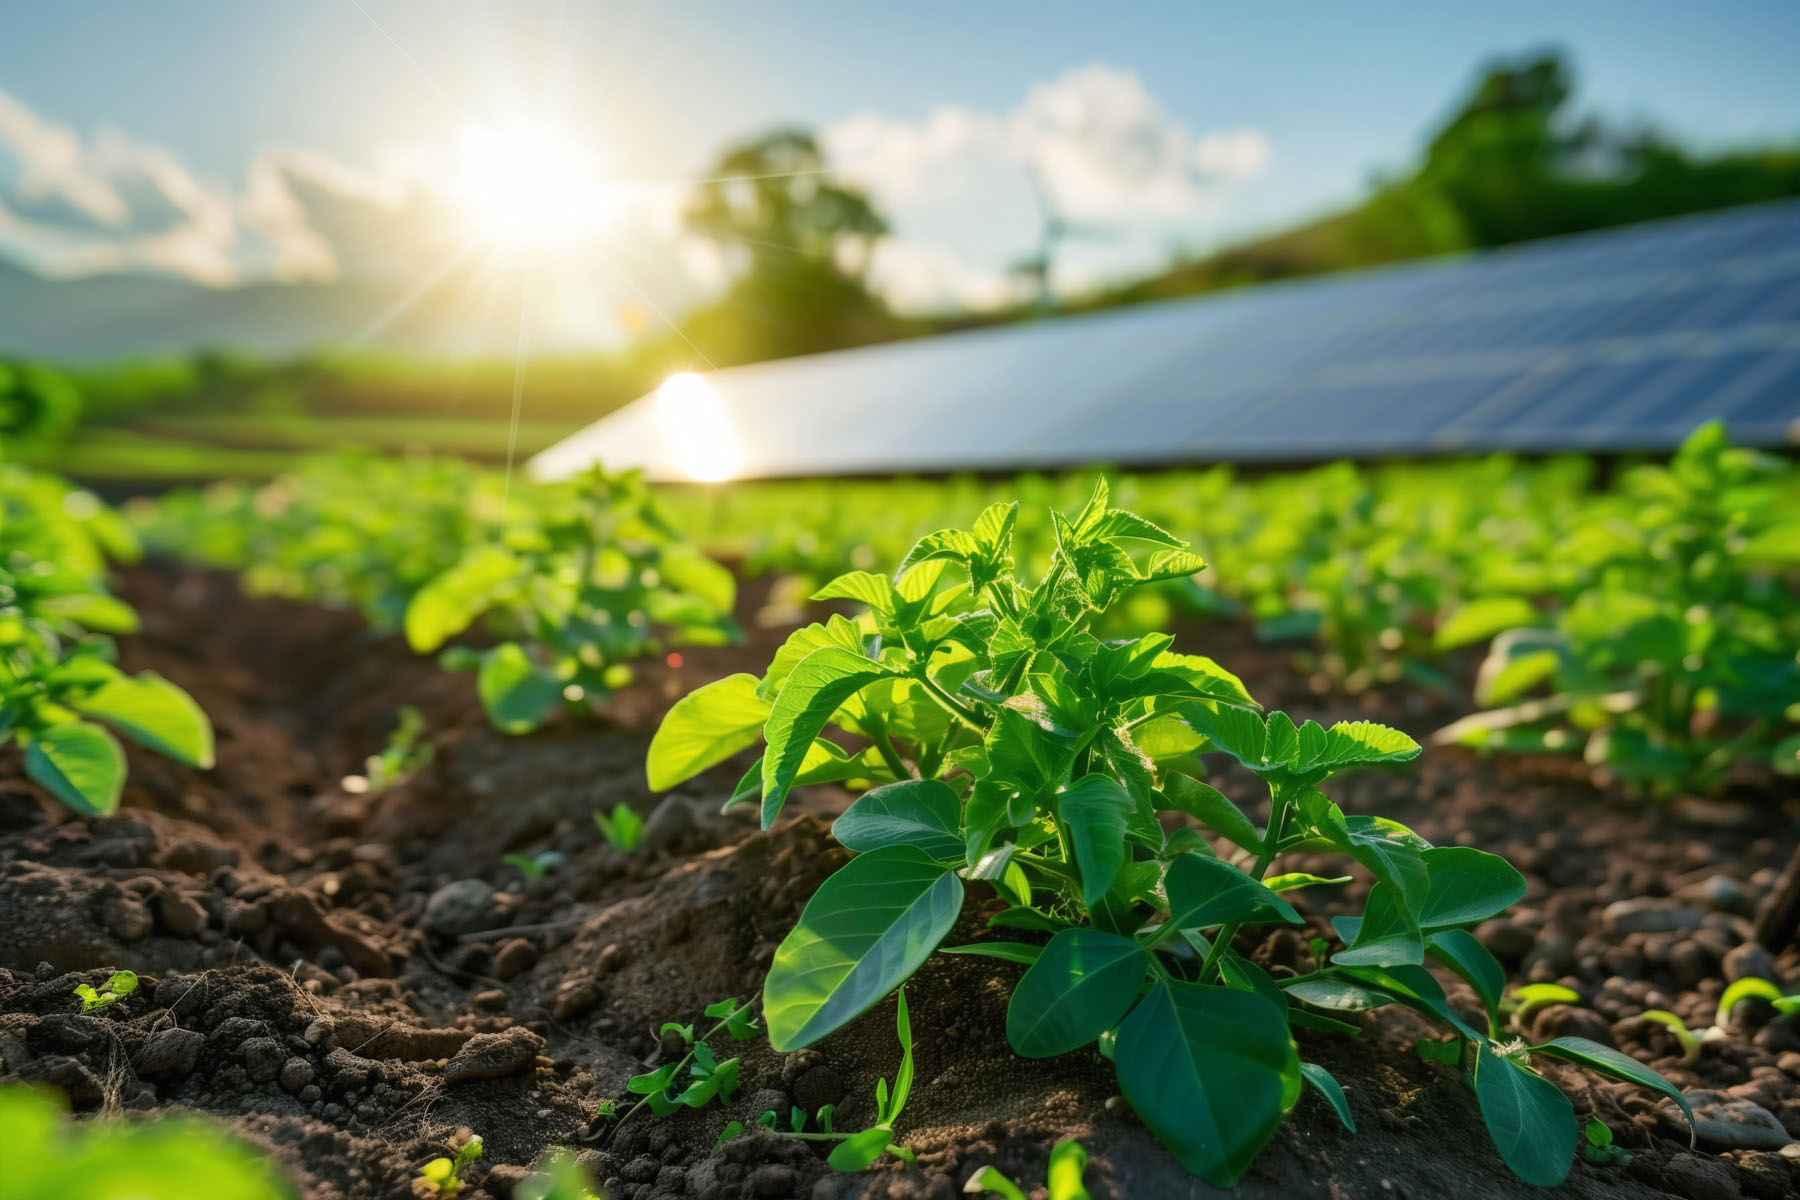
(1619, 340)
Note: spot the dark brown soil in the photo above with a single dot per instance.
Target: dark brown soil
(309, 980)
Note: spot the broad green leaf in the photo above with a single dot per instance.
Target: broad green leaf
(1209, 806)
(1467, 886)
(1531, 1121)
(865, 930)
(687, 570)
(1458, 950)
(859, 1150)
(1068, 1161)
(862, 586)
(1482, 618)
(1096, 811)
(1343, 995)
(1365, 744)
(1386, 935)
(704, 728)
(155, 713)
(450, 602)
(923, 813)
(1417, 989)
(93, 611)
(1080, 986)
(1204, 892)
(815, 689)
(518, 694)
(1207, 1068)
(1328, 1087)
(1608, 1061)
(80, 764)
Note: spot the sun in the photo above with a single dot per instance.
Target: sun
(532, 186)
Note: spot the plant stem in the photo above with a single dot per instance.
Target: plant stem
(878, 734)
(1271, 837)
(688, 1057)
(949, 703)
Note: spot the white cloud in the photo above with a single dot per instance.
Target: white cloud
(958, 184)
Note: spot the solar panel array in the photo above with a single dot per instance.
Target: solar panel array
(1620, 340)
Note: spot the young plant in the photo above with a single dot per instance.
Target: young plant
(59, 689)
(442, 1177)
(405, 754)
(1672, 659)
(1068, 1161)
(1597, 1145)
(534, 867)
(1694, 1040)
(624, 828)
(595, 578)
(121, 985)
(710, 1078)
(1006, 743)
(856, 1149)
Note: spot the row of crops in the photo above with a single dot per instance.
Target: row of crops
(1646, 622)
(1021, 719)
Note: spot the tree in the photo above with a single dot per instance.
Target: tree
(802, 241)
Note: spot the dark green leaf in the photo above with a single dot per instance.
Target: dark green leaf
(1608, 1061)
(817, 686)
(1531, 1121)
(1467, 886)
(1079, 987)
(1209, 806)
(1328, 1087)
(1204, 892)
(1096, 811)
(862, 934)
(923, 813)
(1207, 1069)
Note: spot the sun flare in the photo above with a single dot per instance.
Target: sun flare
(533, 186)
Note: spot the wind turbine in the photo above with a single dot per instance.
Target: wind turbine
(1039, 268)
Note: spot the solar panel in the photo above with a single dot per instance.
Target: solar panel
(1618, 340)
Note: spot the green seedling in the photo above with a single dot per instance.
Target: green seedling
(1527, 998)
(121, 985)
(1671, 659)
(1068, 1162)
(1006, 745)
(570, 582)
(1597, 1145)
(624, 829)
(442, 1177)
(1694, 1040)
(61, 696)
(404, 756)
(52, 1157)
(854, 1150)
(667, 1089)
(534, 867)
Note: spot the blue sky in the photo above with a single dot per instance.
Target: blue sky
(1290, 107)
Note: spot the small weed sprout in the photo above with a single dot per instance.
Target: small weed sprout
(1597, 1145)
(404, 756)
(121, 985)
(534, 867)
(1068, 1161)
(442, 1177)
(624, 829)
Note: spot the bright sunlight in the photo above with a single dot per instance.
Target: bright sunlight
(530, 185)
